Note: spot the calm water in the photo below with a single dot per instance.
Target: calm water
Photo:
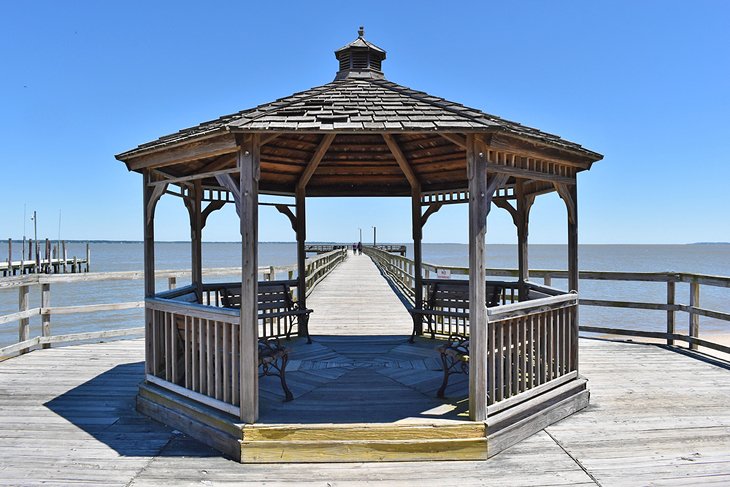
(115, 256)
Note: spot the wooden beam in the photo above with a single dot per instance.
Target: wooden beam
(286, 211)
(196, 177)
(400, 158)
(191, 151)
(249, 160)
(456, 139)
(316, 159)
(478, 207)
(529, 174)
(529, 148)
(265, 139)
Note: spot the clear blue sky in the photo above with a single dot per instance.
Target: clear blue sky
(646, 83)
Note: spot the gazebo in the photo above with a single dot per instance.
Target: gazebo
(359, 135)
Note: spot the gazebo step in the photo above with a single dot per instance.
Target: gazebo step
(364, 450)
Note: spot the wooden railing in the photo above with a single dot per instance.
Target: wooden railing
(532, 345)
(316, 268)
(193, 350)
(193, 343)
(400, 270)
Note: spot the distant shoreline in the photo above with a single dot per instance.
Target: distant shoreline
(105, 241)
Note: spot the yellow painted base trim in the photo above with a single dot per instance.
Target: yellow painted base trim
(363, 451)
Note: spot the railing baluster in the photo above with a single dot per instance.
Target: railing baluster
(694, 318)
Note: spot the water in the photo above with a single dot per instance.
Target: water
(124, 256)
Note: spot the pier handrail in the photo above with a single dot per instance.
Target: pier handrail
(316, 269)
(401, 271)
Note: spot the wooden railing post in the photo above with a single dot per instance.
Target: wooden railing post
(694, 318)
(171, 282)
(23, 323)
(45, 314)
(670, 312)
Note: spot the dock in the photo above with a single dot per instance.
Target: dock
(658, 414)
(55, 260)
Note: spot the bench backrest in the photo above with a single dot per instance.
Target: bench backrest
(454, 296)
(272, 297)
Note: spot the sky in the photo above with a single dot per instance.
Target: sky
(646, 83)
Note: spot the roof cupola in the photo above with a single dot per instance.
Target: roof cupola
(360, 59)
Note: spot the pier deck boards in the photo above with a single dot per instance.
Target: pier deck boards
(656, 416)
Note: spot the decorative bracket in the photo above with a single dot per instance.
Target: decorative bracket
(432, 208)
(286, 211)
(565, 194)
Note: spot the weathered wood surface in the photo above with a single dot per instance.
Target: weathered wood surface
(656, 417)
(356, 300)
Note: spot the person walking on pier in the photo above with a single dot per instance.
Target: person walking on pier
(354, 248)
(359, 248)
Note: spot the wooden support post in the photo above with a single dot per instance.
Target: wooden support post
(670, 312)
(417, 224)
(479, 201)
(10, 257)
(249, 166)
(301, 223)
(45, 316)
(48, 257)
(569, 194)
(694, 318)
(148, 217)
(23, 323)
(88, 257)
(524, 204)
(171, 283)
(196, 237)
(65, 256)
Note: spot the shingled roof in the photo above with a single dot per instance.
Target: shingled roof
(359, 103)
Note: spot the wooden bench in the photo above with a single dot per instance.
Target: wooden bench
(274, 302)
(449, 299)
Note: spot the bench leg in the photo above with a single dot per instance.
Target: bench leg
(288, 396)
(442, 389)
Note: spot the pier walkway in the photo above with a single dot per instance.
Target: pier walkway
(657, 416)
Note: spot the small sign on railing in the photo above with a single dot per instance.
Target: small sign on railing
(443, 273)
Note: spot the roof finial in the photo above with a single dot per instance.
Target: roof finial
(361, 31)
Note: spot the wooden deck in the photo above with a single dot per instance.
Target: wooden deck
(657, 416)
(361, 368)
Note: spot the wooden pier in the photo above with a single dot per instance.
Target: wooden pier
(657, 416)
(324, 248)
(55, 260)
